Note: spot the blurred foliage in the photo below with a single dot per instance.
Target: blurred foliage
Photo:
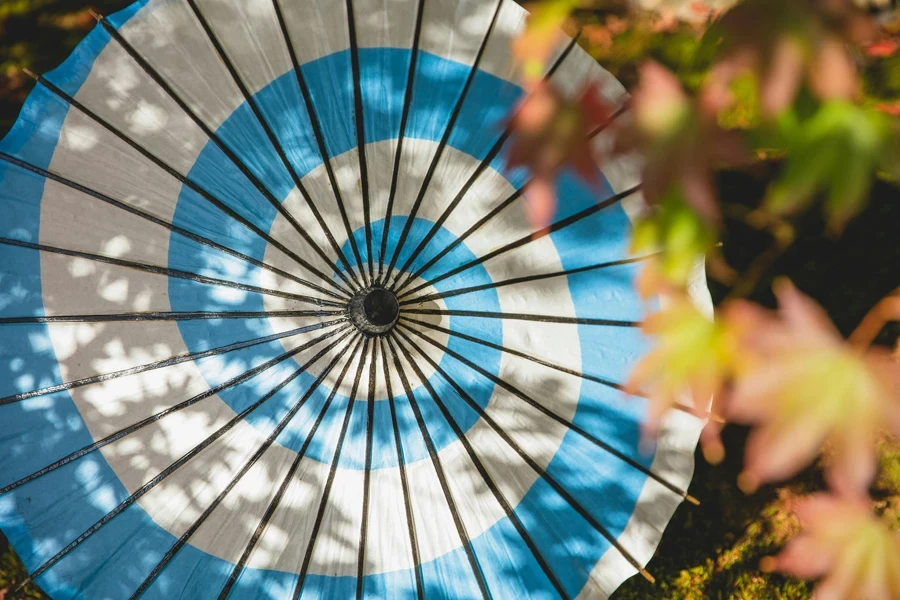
(678, 50)
(713, 551)
(38, 35)
(620, 44)
(834, 150)
(883, 80)
(679, 233)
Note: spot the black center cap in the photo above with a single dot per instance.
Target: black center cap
(374, 311)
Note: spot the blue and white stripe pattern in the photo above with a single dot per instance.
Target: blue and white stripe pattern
(188, 409)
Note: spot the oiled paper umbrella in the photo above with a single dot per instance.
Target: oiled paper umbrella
(274, 322)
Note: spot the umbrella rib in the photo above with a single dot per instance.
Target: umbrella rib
(214, 138)
(168, 362)
(525, 279)
(540, 361)
(370, 431)
(359, 114)
(161, 222)
(526, 239)
(623, 108)
(323, 503)
(166, 316)
(494, 212)
(540, 471)
(404, 116)
(445, 138)
(176, 273)
(190, 184)
(442, 477)
(549, 413)
(273, 140)
(237, 380)
(404, 483)
(282, 488)
(482, 166)
(524, 317)
(489, 482)
(316, 127)
(526, 356)
(181, 541)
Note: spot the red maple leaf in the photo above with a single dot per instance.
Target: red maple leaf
(549, 132)
(882, 48)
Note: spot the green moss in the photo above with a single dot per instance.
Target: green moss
(12, 574)
(887, 485)
(712, 551)
(889, 476)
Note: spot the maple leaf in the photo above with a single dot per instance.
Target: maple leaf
(836, 150)
(700, 8)
(679, 236)
(598, 35)
(882, 48)
(681, 144)
(543, 33)
(616, 25)
(549, 132)
(691, 359)
(803, 386)
(785, 43)
(79, 20)
(888, 109)
(854, 553)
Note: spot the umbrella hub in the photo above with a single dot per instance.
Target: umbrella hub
(374, 310)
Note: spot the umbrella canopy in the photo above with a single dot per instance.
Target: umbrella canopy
(274, 324)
